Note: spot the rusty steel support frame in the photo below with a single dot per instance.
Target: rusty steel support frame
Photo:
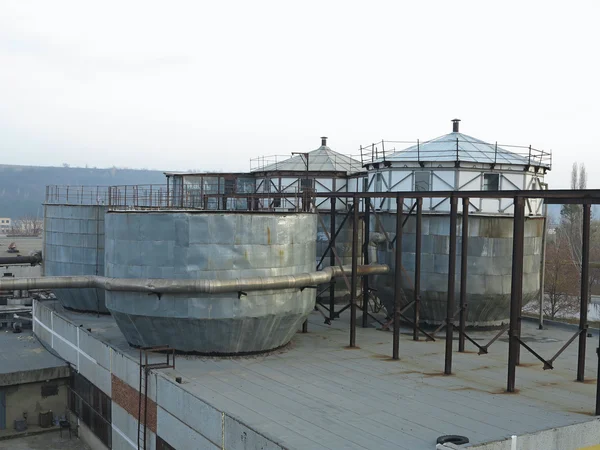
(353, 277)
(333, 235)
(464, 249)
(516, 293)
(585, 295)
(417, 284)
(451, 287)
(397, 278)
(365, 279)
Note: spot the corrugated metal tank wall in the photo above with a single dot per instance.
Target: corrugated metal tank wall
(207, 245)
(489, 266)
(74, 245)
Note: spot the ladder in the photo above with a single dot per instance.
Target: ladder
(145, 368)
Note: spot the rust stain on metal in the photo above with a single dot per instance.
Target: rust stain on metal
(534, 364)
(469, 388)
(347, 347)
(586, 413)
(268, 235)
(437, 374)
(505, 392)
(383, 357)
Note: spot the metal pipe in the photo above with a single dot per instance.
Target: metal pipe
(516, 291)
(173, 286)
(365, 280)
(417, 287)
(585, 286)
(451, 286)
(397, 278)
(33, 260)
(354, 275)
(463, 274)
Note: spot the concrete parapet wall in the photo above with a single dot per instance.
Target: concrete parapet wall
(572, 437)
(182, 419)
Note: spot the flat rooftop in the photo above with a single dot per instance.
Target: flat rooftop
(316, 393)
(23, 359)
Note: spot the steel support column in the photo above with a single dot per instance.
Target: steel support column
(354, 277)
(463, 273)
(451, 286)
(585, 286)
(332, 259)
(397, 278)
(365, 280)
(417, 287)
(516, 291)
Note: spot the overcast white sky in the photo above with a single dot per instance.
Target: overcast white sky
(208, 85)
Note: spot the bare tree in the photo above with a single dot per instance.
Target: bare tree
(28, 226)
(571, 226)
(561, 285)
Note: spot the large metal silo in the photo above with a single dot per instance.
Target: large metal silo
(210, 246)
(489, 266)
(74, 245)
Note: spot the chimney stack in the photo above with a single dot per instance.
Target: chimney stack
(324, 141)
(455, 125)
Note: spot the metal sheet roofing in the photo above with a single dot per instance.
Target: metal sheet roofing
(458, 146)
(322, 159)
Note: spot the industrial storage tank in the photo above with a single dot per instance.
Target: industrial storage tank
(74, 245)
(489, 263)
(458, 162)
(203, 245)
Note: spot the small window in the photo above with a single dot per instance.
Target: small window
(229, 186)
(422, 181)
(308, 184)
(491, 181)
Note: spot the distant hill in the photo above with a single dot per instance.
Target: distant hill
(23, 188)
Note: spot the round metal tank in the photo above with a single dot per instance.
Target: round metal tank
(74, 245)
(489, 266)
(213, 246)
(343, 248)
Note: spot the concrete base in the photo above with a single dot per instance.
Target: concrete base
(211, 336)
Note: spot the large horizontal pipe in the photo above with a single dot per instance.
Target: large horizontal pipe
(33, 260)
(170, 286)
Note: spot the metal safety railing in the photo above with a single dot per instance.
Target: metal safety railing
(454, 150)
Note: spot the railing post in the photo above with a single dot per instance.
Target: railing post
(451, 286)
(585, 285)
(463, 274)
(353, 278)
(367, 229)
(516, 291)
(417, 289)
(397, 278)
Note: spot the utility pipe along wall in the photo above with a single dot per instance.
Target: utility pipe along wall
(175, 286)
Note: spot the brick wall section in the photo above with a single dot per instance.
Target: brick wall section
(127, 398)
